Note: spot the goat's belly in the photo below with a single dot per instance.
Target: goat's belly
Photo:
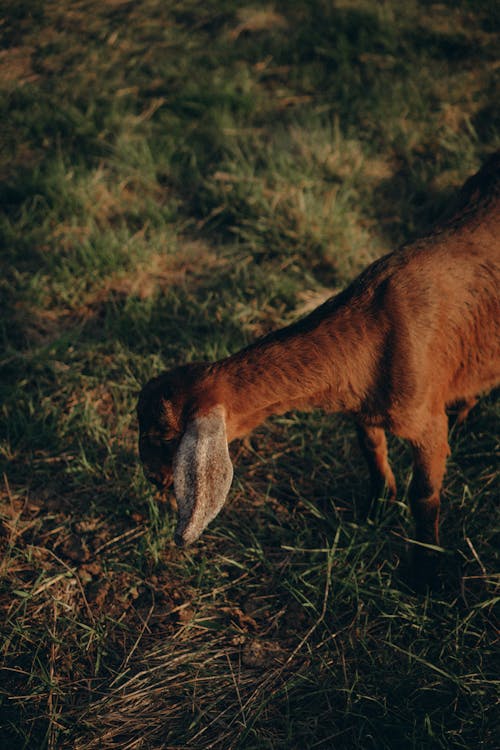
(474, 381)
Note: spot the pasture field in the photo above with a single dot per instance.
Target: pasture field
(178, 177)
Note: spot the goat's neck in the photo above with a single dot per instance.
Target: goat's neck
(309, 364)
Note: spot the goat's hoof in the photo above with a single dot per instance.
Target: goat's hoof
(424, 571)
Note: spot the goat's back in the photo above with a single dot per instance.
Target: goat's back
(429, 313)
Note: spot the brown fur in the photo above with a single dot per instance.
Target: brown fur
(416, 332)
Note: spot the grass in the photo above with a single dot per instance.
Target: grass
(176, 179)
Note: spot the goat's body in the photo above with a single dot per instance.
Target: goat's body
(417, 331)
(420, 329)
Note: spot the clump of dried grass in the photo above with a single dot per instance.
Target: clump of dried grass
(206, 688)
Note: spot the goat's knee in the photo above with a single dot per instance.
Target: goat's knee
(373, 445)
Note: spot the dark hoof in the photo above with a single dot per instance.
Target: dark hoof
(424, 572)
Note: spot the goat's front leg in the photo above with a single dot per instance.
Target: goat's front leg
(373, 445)
(430, 452)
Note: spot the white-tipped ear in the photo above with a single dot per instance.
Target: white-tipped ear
(203, 473)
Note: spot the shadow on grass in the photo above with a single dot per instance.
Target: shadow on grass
(345, 59)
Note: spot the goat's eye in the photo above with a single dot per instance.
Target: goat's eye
(162, 440)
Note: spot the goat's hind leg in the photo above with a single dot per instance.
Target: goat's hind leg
(373, 445)
(430, 451)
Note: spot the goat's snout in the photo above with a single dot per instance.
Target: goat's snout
(162, 478)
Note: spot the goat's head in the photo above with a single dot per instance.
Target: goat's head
(182, 438)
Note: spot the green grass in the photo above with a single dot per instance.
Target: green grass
(176, 179)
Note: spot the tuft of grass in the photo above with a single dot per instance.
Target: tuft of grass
(177, 178)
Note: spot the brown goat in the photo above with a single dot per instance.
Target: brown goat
(416, 332)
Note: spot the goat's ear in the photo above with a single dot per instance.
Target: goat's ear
(203, 473)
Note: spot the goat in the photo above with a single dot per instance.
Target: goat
(418, 331)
